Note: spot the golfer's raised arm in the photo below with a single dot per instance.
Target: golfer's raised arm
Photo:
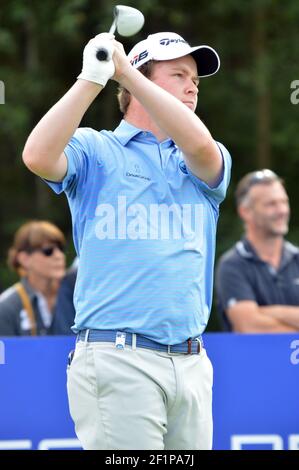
(44, 150)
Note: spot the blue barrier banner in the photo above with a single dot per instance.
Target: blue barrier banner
(256, 401)
(256, 381)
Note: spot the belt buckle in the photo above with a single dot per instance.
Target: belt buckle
(189, 347)
(199, 346)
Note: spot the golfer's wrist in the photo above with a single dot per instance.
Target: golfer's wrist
(89, 86)
(127, 76)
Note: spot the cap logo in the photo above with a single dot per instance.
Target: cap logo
(167, 41)
(137, 58)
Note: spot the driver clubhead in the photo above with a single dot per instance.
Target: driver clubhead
(128, 20)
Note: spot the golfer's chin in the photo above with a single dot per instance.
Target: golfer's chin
(190, 105)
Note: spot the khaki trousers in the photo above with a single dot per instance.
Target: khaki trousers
(139, 398)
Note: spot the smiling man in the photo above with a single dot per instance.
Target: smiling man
(257, 281)
(144, 201)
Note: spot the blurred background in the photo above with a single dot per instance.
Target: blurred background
(247, 105)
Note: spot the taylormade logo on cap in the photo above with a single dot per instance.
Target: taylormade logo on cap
(168, 46)
(167, 41)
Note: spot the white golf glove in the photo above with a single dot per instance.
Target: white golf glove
(94, 70)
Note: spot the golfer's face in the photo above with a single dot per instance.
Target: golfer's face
(179, 77)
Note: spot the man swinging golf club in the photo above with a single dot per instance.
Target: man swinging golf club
(144, 201)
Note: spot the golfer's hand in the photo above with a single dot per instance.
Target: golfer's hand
(94, 70)
(121, 62)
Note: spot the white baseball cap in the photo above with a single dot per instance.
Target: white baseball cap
(167, 46)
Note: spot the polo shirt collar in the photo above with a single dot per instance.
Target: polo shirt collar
(246, 250)
(289, 252)
(126, 132)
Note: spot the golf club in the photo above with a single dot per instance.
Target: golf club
(127, 22)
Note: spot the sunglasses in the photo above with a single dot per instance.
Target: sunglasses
(262, 175)
(49, 250)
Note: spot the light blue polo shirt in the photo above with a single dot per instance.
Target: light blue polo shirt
(144, 230)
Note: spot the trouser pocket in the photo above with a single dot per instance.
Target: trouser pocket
(70, 358)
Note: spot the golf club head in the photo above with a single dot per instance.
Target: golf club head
(128, 20)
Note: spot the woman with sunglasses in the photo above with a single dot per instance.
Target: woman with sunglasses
(37, 255)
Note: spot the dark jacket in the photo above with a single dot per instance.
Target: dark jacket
(64, 312)
(14, 319)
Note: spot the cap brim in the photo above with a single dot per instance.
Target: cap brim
(206, 57)
(207, 60)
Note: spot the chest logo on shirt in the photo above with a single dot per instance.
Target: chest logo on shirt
(183, 167)
(136, 171)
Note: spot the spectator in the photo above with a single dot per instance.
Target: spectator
(37, 255)
(257, 281)
(64, 314)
